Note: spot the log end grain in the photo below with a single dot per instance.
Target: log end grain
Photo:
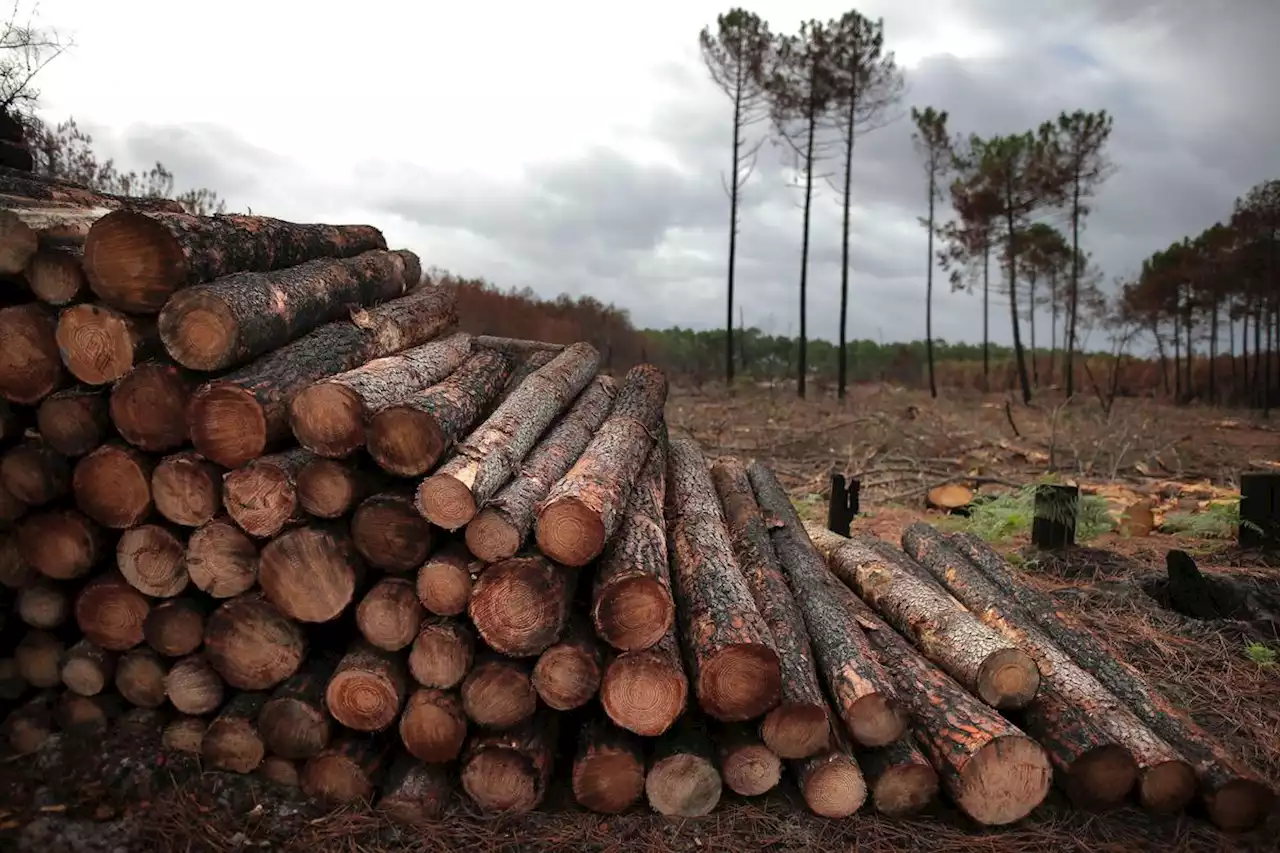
(643, 693)
(566, 677)
(133, 262)
(43, 604)
(570, 532)
(390, 534)
(683, 785)
(39, 658)
(405, 441)
(1166, 787)
(175, 628)
(366, 691)
(221, 559)
(796, 729)
(228, 424)
(30, 366)
(153, 560)
(339, 774)
(74, 421)
(904, 790)
(446, 501)
(751, 770)
(199, 331)
(112, 485)
(1101, 778)
(232, 743)
(56, 277)
(61, 544)
(252, 644)
(310, 573)
(1003, 781)
(280, 771)
(502, 780)
(149, 407)
(491, 537)
(111, 613)
(389, 615)
(140, 678)
(327, 488)
(294, 728)
(441, 654)
(633, 613)
(185, 734)
(433, 726)
(96, 343)
(416, 794)
(445, 581)
(832, 785)
(1239, 805)
(1008, 679)
(328, 418)
(876, 720)
(520, 606)
(608, 771)
(193, 686)
(499, 694)
(34, 474)
(739, 682)
(261, 498)
(186, 490)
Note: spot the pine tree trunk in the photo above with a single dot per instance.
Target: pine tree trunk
(442, 653)
(521, 606)
(221, 560)
(446, 578)
(645, 691)
(416, 794)
(88, 669)
(608, 769)
(747, 766)
(433, 726)
(99, 344)
(346, 771)
(149, 406)
(60, 544)
(152, 559)
(294, 722)
(567, 675)
(175, 627)
(498, 692)
(111, 613)
(112, 485)
(56, 276)
(367, 690)
(232, 741)
(330, 488)
(389, 614)
(252, 644)
(508, 771)
(389, 533)
(831, 781)
(311, 573)
(683, 780)
(74, 421)
(187, 490)
(261, 496)
(140, 677)
(30, 365)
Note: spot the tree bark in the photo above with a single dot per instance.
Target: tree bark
(585, 507)
(389, 614)
(508, 771)
(252, 644)
(140, 677)
(367, 690)
(521, 606)
(491, 455)
(902, 780)
(153, 560)
(261, 495)
(645, 691)
(747, 766)
(831, 782)
(112, 485)
(187, 490)
(294, 722)
(567, 675)
(221, 560)
(99, 344)
(310, 573)
(445, 580)
(416, 794)
(175, 627)
(498, 692)
(860, 691)
(346, 771)
(149, 406)
(194, 686)
(433, 726)
(55, 274)
(39, 657)
(73, 421)
(608, 769)
(111, 613)
(60, 544)
(30, 365)
(390, 534)
(498, 530)
(88, 669)
(330, 488)
(683, 780)
(232, 741)
(442, 653)
(34, 473)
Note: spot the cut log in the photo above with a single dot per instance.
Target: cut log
(346, 771)
(310, 573)
(86, 716)
(567, 675)
(31, 724)
(175, 628)
(608, 769)
(408, 437)
(142, 722)
(260, 496)
(60, 544)
(39, 657)
(15, 571)
(521, 606)
(484, 462)
(137, 260)
(861, 692)
(194, 686)
(12, 684)
(445, 580)
(149, 407)
(112, 485)
(747, 766)
(433, 726)
(88, 669)
(733, 661)
(498, 692)
(416, 794)
(99, 344)
(43, 604)
(242, 415)
(367, 690)
(18, 242)
(631, 603)
(902, 780)
(30, 366)
(330, 417)
(280, 771)
(517, 346)
(498, 531)
(252, 644)
(799, 726)
(14, 420)
(949, 496)
(56, 276)
(186, 490)
(11, 507)
(1236, 797)
(508, 771)
(294, 722)
(232, 741)
(645, 691)
(238, 317)
(185, 734)
(140, 675)
(389, 532)
(330, 488)
(111, 613)
(389, 614)
(442, 652)
(585, 507)
(34, 473)
(221, 560)
(74, 421)
(682, 780)
(152, 559)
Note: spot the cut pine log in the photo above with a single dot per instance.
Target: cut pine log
(484, 462)
(498, 530)
(56, 276)
(498, 692)
(330, 417)
(186, 490)
(310, 573)
(112, 485)
(18, 243)
(445, 580)
(902, 780)
(508, 771)
(136, 260)
(39, 657)
(416, 794)
(521, 606)
(194, 686)
(367, 690)
(60, 544)
(221, 560)
(585, 507)
(280, 771)
(11, 507)
(409, 436)
(86, 715)
(185, 734)
(645, 691)
(152, 559)
(43, 604)
(29, 725)
(442, 653)
(88, 669)
(330, 488)
(346, 771)
(682, 780)
(799, 726)
(294, 723)
(747, 766)
(149, 406)
(175, 627)
(242, 415)
(34, 473)
(140, 677)
(73, 421)
(389, 614)
(861, 692)
(238, 317)
(252, 644)
(733, 661)
(608, 769)
(232, 741)
(1236, 797)
(631, 603)
(389, 533)
(433, 726)
(567, 675)
(111, 613)
(30, 366)
(99, 344)
(261, 496)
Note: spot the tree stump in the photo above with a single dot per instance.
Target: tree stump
(1054, 525)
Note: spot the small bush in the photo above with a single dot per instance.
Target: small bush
(1261, 654)
(1218, 521)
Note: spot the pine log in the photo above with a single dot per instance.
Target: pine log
(799, 726)
(902, 780)
(484, 462)
(60, 544)
(252, 644)
(330, 417)
(39, 656)
(498, 530)
(232, 741)
(585, 507)
(294, 722)
(111, 613)
(149, 406)
(631, 603)
(521, 606)
(30, 365)
(187, 490)
(389, 614)
(445, 580)
(261, 497)
(508, 771)
(43, 604)
(645, 691)
(136, 260)
(221, 560)
(15, 571)
(433, 726)
(567, 675)
(733, 661)
(142, 722)
(682, 780)
(34, 473)
(367, 690)
(280, 771)
(140, 675)
(11, 507)
(31, 724)
(442, 653)
(56, 276)
(152, 559)
(87, 715)
(608, 769)
(175, 627)
(73, 421)
(346, 771)
(389, 533)
(330, 488)
(185, 734)
(409, 436)
(1098, 745)
(238, 317)
(1236, 797)
(88, 669)
(310, 573)
(12, 684)
(194, 686)
(498, 692)
(18, 242)
(416, 794)
(112, 485)
(747, 765)
(517, 346)
(862, 694)
(99, 344)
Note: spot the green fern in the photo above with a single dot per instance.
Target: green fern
(1000, 517)
(1261, 654)
(1218, 521)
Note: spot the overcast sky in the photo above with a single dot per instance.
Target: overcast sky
(579, 147)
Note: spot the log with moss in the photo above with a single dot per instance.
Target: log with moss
(608, 768)
(389, 533)
(149, 406)
(521, 606)
(73, 421)
(261, 496)
(112, 485)
(30, 365)
(508, 771)
(310, 573)
(682, 779)
(99, 344)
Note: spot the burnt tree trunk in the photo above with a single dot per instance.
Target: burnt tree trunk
(521, 606)
(99, 344)
(261, 496)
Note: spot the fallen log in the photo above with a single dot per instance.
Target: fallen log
(152, 559)
(99, 344)
(330, 488)
(521, 606)
(747, 766)
(34, 474)
(310, 573)
(389, 533)
(140, 677)
(442, 653)
(645, 691)
(416, 794)
(367, 690)
(389, 614)
(60, 544)
(73, 421)
(682, 780)
(507, 771)
(88, 669)
(232, 741)
(608, 768)
(498, 692)
(221, 560)
(294, 723)
(252, 644)
(194, 686)
(112, 485)
(30, 366)
(433, 726)
(111, 613)
(567, 675)
(261, 497)
(346, 771)
(902, 780)
(149, 406)
(55, 274)
(175, 627)
(187, 490)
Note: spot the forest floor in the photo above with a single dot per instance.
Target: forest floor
(123, 793)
